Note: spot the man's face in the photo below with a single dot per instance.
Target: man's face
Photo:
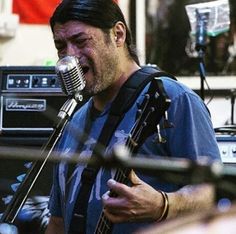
(97, 54)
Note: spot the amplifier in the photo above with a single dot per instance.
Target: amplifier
(227, 147)
(30, 99)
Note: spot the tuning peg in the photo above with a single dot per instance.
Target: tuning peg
(7, 199)
(166, 122)
(139, 109)
(28, 165)
(15, 186)
(158, 138)
(21, 177)
(138, 105)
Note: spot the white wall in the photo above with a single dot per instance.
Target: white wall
(220, 108)
(32, 45)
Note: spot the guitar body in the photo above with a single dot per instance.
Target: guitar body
(151, 111)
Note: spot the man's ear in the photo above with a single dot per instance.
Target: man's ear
(119, 31)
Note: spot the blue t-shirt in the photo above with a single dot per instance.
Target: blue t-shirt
(192, 137)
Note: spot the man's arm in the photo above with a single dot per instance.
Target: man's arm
(191, 198)
(141, 202)
(55, 226)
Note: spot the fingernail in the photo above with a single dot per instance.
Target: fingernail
(111, 182)
(105, 196)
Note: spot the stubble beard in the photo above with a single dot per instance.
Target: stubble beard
(103, 78)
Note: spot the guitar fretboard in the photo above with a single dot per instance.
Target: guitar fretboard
(104, 225)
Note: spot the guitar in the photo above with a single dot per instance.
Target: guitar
(152, 109)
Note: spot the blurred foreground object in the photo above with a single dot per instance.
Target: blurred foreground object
(217, 221)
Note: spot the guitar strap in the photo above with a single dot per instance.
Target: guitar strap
(124, 100)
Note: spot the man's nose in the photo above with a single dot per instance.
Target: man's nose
(72, 50)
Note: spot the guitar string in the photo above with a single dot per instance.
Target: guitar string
(130, 142)
(120, 175)
(104, 223)
(103, 218)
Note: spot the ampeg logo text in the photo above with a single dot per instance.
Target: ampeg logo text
(16, 104)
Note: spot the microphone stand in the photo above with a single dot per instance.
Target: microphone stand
(202, 72)
(201, 36)
(178, 171)
(233, 94)
(32, 175)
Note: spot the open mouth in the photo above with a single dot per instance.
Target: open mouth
(85, 69)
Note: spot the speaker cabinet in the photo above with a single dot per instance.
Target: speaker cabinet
(30, 100)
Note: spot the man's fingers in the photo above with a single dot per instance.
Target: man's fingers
(119, 217)
(119, 188)
(114, 218)
(134, 178)
(113, 203)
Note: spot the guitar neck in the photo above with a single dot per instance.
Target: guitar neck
(152, 109)
(104, 225)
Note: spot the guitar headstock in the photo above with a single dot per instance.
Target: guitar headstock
(153, 108)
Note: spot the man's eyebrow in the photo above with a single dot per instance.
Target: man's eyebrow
(74, 36)
(78, 35)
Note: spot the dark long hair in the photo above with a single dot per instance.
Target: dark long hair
(103, 14)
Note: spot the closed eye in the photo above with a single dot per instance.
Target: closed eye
(60, 45)
(81, 41)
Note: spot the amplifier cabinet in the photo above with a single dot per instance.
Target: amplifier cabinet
(227, 147)
(30, 99)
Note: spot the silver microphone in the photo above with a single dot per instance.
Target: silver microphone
(71, 77)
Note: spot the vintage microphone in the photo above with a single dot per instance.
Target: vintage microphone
(207, 19)
(71, 76)
(72, 80)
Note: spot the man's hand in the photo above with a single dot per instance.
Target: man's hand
(138, 203)
(55, 226)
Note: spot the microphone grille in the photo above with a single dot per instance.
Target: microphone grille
(70, 75)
